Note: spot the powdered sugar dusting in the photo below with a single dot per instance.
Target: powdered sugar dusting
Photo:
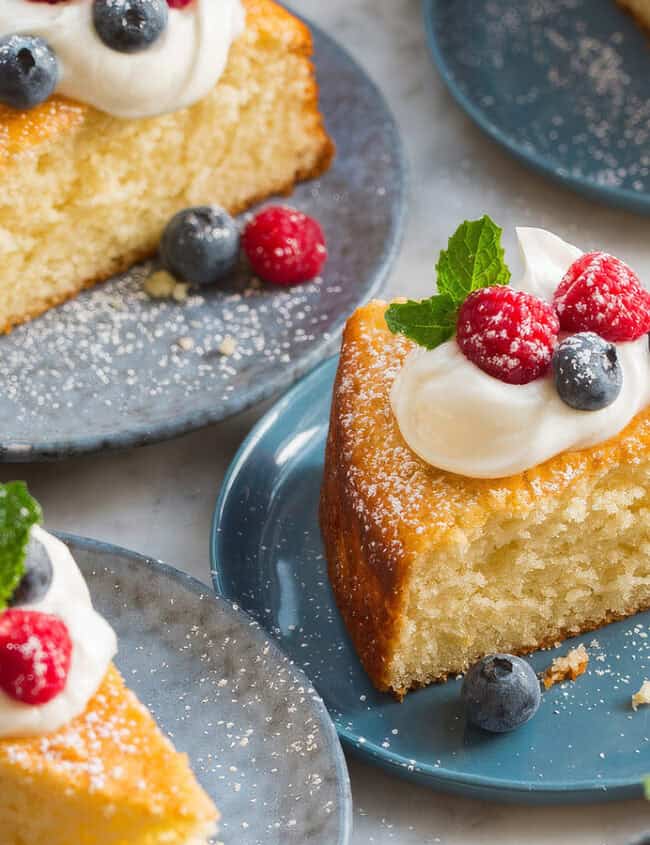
(565, 84)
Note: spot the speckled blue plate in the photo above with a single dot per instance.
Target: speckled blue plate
(258, 736)
(562, 84)
(115, 369)
(585, 744)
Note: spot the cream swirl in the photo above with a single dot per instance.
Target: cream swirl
(458, 418)
(179, 69)
(94, 645)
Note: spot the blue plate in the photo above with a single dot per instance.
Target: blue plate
(562, 84)
(585, 744)
(259, 738)
(113, 369)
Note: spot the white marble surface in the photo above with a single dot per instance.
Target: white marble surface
(159, 499)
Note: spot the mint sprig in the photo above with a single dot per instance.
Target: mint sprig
(646, 787)
(474, 259)
(18, 512)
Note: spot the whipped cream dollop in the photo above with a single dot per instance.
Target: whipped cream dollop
(94, 645)
(179, 69)
(459, 419)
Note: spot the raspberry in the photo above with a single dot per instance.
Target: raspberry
(284, 246)
(35, 654)
(178, 4)
(509, 334)
(601, 294)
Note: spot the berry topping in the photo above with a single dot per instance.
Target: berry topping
(588, 375)
(29, 71)
(200, 245)
(284, 246)
(35, 654)
(509, 334)
(601, 294)
(37, 578)
(130, 26)
(500, 693)
(178, 4)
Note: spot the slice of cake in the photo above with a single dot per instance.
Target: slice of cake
(537, 527)
(92, 174)
(640, 9)
(108, 777)
(82, 762)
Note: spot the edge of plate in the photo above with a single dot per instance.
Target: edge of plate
(142, 435)
(472, 786)
(617, 197)
(197, 587)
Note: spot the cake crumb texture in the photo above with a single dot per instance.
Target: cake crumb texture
(568, 668)
(86, 195)
(433, 570)
(108, 778)
(642, 696)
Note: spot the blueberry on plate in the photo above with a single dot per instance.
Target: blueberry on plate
(37, 578)
(500, 693)
(130, 26)
(29, 71)
(588, 374)
(200, 245)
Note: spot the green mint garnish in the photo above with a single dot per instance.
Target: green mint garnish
(646, 787)
(473, 259)
(18, 512)
(429, 322)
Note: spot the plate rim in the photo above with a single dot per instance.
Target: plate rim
(232, 609)
(470, 785)
(142, 434)
(614, 197)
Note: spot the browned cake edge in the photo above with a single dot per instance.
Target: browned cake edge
(368, 587)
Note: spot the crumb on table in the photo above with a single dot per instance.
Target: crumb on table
(567, 668)
(642, 696)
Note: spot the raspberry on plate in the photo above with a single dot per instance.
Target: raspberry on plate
(509, 334)
(601, 294)
(35, 655)
(284, 246)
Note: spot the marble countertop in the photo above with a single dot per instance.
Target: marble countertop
(159, 499)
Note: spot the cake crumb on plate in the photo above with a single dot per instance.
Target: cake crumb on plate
(567, 668)
(642, 696)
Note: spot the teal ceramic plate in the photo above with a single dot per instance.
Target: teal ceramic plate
(585, 744)
(562, 84)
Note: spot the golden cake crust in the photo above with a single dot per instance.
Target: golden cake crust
(115, 750)
(381, 505)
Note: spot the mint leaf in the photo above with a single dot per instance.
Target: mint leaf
(18, 512)
(646, 786)
(473, 259)
(429, 322)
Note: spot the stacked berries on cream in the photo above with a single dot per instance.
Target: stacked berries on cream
(504, 379)
(129, 58)
(55, 649)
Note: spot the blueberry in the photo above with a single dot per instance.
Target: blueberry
(200, 245)
(130, 26)
(588, 375)
(38, 575)
(500, 693)
(29, 71)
